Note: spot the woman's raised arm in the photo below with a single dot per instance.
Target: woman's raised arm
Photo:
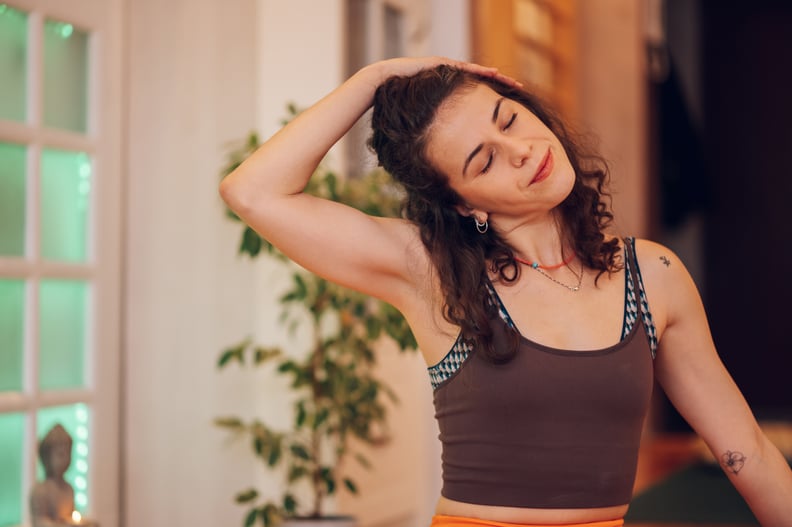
(335, 241)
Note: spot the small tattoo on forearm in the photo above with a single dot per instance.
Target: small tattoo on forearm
(733, 461)
(665, 261)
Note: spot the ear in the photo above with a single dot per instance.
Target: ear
(465, 210)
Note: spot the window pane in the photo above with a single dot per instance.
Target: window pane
(12, 324)
(12, 437)
(13, 63)
(75, 419)
(65, 194)
(65, 76)
(62, 333)
(12, 197)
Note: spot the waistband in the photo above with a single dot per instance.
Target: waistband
(461, 521)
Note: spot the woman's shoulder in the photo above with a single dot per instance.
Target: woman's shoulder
(669, 286)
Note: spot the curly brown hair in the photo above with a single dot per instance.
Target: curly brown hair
(404, 109)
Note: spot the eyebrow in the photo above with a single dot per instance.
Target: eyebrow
(476, 150)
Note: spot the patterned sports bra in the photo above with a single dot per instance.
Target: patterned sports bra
(633, 305)
(551, 428)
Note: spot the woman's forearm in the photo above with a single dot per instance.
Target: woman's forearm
(767, 486)
(284, 163)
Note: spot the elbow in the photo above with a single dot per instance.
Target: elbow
(226, 190)
(231, 193)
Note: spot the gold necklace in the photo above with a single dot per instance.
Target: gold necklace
(573, 288)
(541, 269)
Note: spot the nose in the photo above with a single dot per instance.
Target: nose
(519, 150)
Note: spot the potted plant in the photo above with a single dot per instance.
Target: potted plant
(337, 396)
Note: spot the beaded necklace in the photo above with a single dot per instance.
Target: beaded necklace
(541, 268)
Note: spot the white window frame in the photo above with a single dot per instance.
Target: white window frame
(102, 19)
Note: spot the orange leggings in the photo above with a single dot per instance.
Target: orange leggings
(460, 521)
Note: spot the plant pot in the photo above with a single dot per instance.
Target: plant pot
(327, 521)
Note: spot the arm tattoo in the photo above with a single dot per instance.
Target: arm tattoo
(732, 461)
(665, 261)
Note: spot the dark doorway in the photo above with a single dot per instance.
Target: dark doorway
(741, 112)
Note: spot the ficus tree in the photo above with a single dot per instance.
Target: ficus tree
(337, 397)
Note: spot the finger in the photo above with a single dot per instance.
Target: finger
(489, 71)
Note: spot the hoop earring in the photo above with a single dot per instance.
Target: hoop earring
(481, 227)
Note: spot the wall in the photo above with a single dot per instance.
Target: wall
(192, 89)
(612, 101)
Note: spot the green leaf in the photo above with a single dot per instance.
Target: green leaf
(327, 477)
(297, 472)
(226, 356)
(250, 519)
(301, 289)
(289, 504)
(262, 354)
(300, 418)
(251, 243)
(288, 365)
(229, 422)
(350, 485)
(246, 496)
(300, 452)
(235, 352)
(274, 454)
(321, 417)
(269, 514)
(364, 462)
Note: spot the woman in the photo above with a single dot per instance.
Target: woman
(503, 259)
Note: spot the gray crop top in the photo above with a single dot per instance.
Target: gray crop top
(551, 428)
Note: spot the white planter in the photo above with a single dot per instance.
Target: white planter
(332, 521)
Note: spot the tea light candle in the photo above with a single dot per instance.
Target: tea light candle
(77, 519)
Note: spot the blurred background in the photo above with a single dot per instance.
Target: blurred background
(119, 279)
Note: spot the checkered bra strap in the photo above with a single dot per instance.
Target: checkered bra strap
(444, 369)
(634, 304)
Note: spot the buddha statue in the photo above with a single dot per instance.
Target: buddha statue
(52, 500)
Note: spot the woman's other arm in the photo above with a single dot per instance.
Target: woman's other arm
(695, 380)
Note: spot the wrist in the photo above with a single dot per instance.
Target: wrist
(373, 74)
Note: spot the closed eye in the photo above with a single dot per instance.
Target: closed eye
(511, 121)
(488, 165)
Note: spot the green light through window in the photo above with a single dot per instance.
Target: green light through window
(12, 197)
(65, 199)
(13, 63)
(63, 309)
(12, 339)
(12, 437)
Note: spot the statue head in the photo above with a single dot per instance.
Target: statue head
(55, 451)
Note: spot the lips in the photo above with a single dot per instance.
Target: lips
(544, 169)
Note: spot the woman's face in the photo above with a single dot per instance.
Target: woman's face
(506, 165)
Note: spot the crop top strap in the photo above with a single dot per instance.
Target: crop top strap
(636, 303)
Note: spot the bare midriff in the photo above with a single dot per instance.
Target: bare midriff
(449, 507)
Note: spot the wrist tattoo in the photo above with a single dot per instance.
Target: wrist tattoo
(732, 461)
(665, 261)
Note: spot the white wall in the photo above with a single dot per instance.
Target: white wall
(191, 89)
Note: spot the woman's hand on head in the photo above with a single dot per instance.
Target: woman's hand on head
(406, 66)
